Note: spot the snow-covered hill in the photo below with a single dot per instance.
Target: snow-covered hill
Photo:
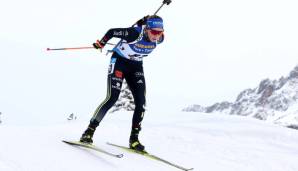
(273, 100)
(205, 142)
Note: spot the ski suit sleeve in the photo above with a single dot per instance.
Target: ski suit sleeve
(129, 34)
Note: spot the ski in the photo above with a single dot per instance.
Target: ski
(92, 147)
(148, 155)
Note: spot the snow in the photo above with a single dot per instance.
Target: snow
(202, 141)
(39, 89)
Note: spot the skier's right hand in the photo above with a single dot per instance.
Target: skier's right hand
(98, 45)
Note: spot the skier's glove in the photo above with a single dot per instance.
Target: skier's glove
(142, 21)
(99, 44)
(167, 2)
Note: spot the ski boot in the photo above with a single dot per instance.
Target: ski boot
(87, 136)
(134, 142)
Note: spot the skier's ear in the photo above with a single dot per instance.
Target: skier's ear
(146, 31)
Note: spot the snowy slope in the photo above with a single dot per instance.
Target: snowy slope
(39, 89)
(205, 142)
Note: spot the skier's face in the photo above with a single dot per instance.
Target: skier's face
(154, 34)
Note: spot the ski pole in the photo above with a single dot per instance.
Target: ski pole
(163, 3)
(75, 48)
(72, 48)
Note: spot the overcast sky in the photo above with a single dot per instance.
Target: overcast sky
(213, 50)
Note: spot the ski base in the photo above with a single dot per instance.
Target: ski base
(151, 156)
(92, 147)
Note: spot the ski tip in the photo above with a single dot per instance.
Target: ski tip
(70, 142)
(120, 155)
(65, 141)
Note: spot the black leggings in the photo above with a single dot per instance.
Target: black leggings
(132, 71)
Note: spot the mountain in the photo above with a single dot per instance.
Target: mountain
(273, 100)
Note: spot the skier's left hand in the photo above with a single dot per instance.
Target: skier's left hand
(167, 2)
(142, 21)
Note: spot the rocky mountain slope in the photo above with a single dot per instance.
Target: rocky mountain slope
(273, 100)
